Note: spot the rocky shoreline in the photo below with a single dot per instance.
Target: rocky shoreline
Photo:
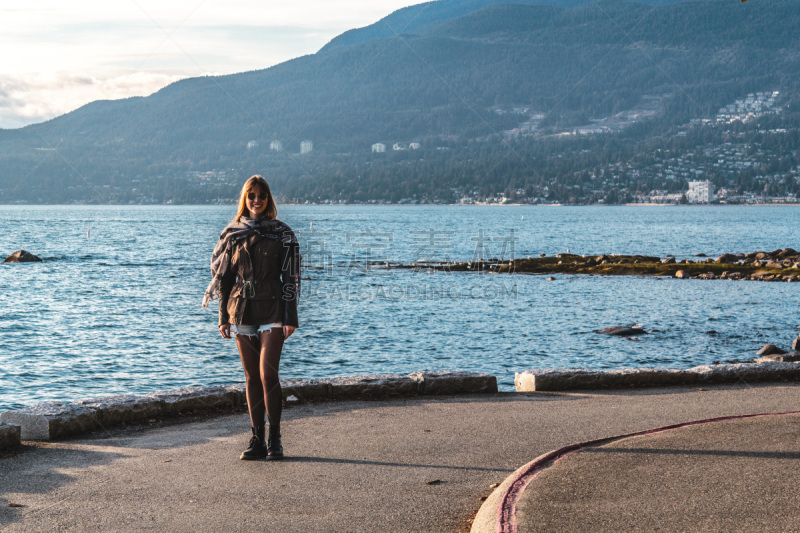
(58, 420)
(777, 265)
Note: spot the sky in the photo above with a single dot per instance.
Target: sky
(56, 55)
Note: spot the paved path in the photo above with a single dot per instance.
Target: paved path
(355, 466)
(733, 475)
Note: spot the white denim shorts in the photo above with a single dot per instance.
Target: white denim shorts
(245, 329)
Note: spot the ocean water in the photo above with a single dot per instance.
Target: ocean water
(115, 306)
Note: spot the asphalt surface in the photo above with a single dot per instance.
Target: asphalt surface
(734, 475)
(397, 465)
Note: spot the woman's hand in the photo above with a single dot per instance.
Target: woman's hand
(225, 331)
(287, 331)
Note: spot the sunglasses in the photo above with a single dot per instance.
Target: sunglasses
(252, 196)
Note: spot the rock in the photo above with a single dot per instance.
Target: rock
(796, 343)
(770, 349)
(773, 264)
(196, 398)
(727, 258)
(48, 421)
(700, 255)
(783, 358)
(681, 274)
(123, 409)
(622, 331)
(375, 386)
(668, 261)
(760, 256)
(550, 278)
(21, 256)
(561, 380)
(444, 382)
(306, 390)
(775, 253)
(9, 436)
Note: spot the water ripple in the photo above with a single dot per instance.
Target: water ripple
(119, 311)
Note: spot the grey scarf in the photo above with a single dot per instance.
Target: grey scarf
(234, 233)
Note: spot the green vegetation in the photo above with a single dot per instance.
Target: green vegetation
(457, 85)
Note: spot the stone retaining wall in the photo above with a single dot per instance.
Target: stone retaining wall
(563, 380)
(53, 420)
(9, 436)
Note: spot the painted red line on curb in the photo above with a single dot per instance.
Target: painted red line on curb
(507, 519)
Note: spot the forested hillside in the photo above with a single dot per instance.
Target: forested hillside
(459, 85)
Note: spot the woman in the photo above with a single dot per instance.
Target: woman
(256, 275)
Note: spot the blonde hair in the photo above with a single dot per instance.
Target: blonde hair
(256, 184)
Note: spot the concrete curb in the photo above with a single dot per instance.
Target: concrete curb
(577, 379)
(498, 512)
(53, 420)
(9, 436)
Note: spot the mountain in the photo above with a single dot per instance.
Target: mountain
(418, 18)
(455, 76)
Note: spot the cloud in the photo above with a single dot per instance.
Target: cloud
(56, 56)
(30, 99)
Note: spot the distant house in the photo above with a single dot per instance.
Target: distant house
(398, 146)
(413, 146)
(378, 148)
(700, 192)
(306, 147)
(277, 146)
(252, 144)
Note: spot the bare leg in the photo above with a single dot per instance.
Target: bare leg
(271, 346)
(250, 353)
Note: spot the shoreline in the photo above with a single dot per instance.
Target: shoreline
(59, 420)
(387, 204)
(777, 265)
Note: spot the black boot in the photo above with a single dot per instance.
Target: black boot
(257, 448)
(274, 446)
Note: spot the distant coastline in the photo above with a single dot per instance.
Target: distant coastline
(388, 204)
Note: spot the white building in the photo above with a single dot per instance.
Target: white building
(252, 144)
(413, 146)
(700, 192)
(306, 146)
(398, 146)
(276, 146)
(379, 148)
